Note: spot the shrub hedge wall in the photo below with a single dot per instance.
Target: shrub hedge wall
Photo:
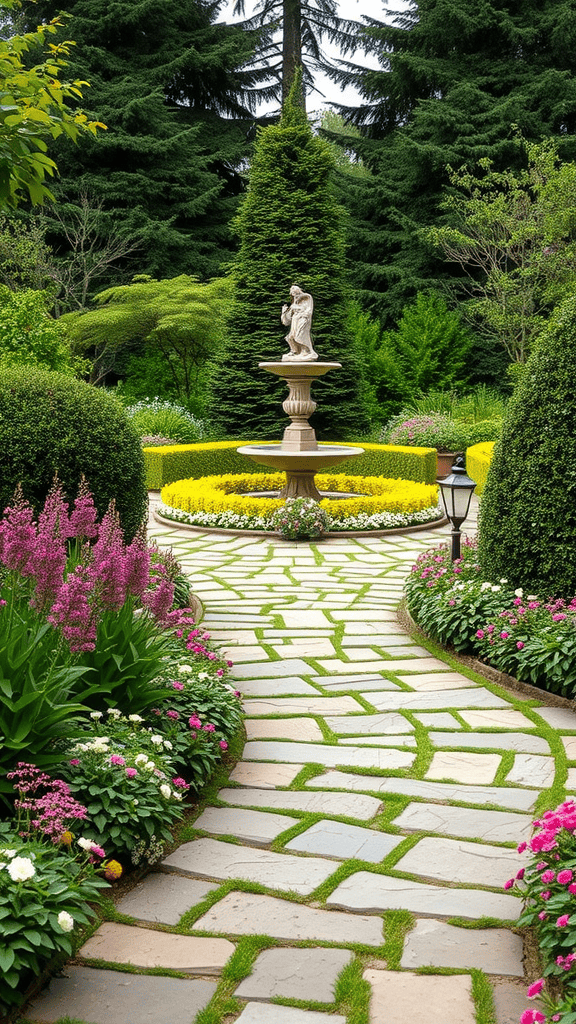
(478, 459)
(166, 464)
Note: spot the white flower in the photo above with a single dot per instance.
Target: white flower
(21, 868)
(114, 713)
(85, 844)
(486, 586)
(203, 675)
(8, 853)
(166, 791)
(66, 921)
(185, 670)
(150, 765)
(503, 581)
(532, 597)
(177, 795)
(167, 744)
(135, 802)
(95, 715)
(141, 759)
(135, 718)
(519, 592)
(495, 589)
(156, 739)
(2, 864)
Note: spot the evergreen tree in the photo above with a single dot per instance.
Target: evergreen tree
(289, 234)
(166, 80)
(528, 521)
(454, 78)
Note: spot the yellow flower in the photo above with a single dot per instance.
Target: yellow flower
(66, 838)
(112, 870)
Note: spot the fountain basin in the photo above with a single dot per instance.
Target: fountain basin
(300, 467)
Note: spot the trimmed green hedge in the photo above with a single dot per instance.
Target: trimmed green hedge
(166, 464)
(478, 459)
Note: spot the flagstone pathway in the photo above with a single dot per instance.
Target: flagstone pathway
(376, 780)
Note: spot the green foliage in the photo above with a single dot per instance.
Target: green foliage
(36, 106)
(289, 227)
(433, 431)
(25, 258)
(180, 319)
(51, 423)
(452, 78)
(168, 81)
(30, 910)
(478, 459)
(167, 464)
(29, 335)
(528, 520)
(519, 231)
(165, 419)
(429, 349)
(481, 403)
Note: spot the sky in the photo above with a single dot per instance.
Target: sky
(353, 9)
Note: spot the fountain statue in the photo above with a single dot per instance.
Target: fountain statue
(299, 454)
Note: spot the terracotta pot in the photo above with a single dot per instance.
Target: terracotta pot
(444, 463)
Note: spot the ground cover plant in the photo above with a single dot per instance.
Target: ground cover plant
(548, 885)
(375, 503)
(528, 635)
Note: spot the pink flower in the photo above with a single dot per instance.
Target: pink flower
(209, 727)
(548, 876)
(480, 634)
(237, 693)
(97, 851)
(520, 645)
(563, 921)
(75, 761)
(83, 519)
(532, 1017)
(535, 988)
(194, 722)
(521, 847)
(504, 636)
(173, 715)
(542, 915)
(520, 874)
(180, 783)
(509, 883)
(177, 686)
(565, 876)
(230, 664)
(545, 895)
(223, 745)
(131, 773)
(572, 888)
(116, 759)
(220, 673)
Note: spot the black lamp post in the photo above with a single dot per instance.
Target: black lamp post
(456, 490)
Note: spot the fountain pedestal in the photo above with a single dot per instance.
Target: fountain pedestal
(299, 454)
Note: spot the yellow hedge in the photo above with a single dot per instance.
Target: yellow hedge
(175, 462)
(225, 493)
(478, 459)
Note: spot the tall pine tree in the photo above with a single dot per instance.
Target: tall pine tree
(167, 81)
(290, 233)
(455, 77)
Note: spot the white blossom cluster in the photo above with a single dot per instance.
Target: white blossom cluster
(236, 521)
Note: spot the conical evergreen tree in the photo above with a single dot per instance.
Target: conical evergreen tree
(167, 81)
(455, 78)
(290, 233)
(528, 515)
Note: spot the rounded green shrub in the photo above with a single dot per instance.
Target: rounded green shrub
(51, 423)
(528, 512)
(484, 430)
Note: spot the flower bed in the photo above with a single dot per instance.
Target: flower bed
(529, 636)
(221, 501)
(114, 706)
(548, 885)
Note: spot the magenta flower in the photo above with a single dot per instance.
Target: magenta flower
(548, 876)
(194, 722)
(116, 759)
(180, 783)
(131, 773)
(532, 1017)
(520, 874)
(521, 847)
(572, 888)
(220, 673)
(209, 727)
(563, 921)
(504, 636)
(177, 686)
(565, 876)
(75, 761)
(173, 715)
(542, 915)
(520, 645)
(137, 566)
(83, 518)
(223, 745)
(535, 988)
(480, 634)
(509, 883)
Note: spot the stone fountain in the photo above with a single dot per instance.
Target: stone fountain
(299, 454)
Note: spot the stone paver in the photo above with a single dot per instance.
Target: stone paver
(464, 767)
(259, 827)
(313, 632)
(402, 997)
(454, 860)
(258, 1013)
(311, 973)
(346, 805)
(510, 1000)
(494, 826)
(336, 839)
(329, 755)
(163, 898)
(142, 947)
(517, 799)
(208, 858)
(242, 913)
(368, 893)
(282, 729)
(437, 944)
(110, 997)
(265, 776)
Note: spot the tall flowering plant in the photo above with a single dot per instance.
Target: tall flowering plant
(548, 885)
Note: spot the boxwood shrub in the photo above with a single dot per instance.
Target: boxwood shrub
(50, 423)
(528, 516)
(478, 459)
(168, 463)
